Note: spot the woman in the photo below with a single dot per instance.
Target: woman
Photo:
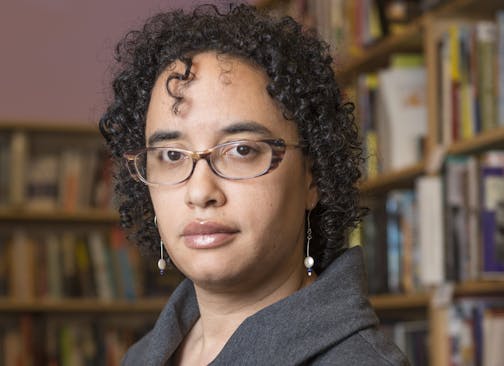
(259, 228)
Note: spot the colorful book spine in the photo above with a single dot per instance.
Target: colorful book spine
(500, 67)
(492, 213)
(486, 35)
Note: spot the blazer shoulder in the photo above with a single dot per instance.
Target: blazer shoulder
(369, 347)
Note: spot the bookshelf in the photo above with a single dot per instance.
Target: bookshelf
(28, 231)
(396, 179)
(426, 34)
(71, 306)
(90, 215)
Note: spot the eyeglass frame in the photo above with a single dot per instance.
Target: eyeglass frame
(278, 149)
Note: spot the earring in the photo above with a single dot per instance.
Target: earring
(308, 261)
(161, 262)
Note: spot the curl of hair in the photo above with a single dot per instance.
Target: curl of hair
(302, 81)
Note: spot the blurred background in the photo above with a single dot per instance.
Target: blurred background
(56, 54)
(426, 78)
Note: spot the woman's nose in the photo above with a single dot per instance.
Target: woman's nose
(203, 188)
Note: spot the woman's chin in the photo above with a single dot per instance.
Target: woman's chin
(216, 278)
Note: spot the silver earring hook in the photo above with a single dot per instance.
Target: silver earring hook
(161, 262)
(308, 261)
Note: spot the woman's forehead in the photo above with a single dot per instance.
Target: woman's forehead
(221, 90)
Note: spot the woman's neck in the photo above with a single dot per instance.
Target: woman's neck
(221, 313)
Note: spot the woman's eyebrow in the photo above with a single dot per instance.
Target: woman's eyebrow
(233, 128)
(246, 126)
(160, 136)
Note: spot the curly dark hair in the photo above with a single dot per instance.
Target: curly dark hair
(301, 79)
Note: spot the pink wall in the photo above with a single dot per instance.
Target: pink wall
(54, 55)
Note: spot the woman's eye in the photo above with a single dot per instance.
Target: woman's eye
(243, 150)
(171, 155)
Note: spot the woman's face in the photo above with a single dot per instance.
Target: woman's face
(226, 234)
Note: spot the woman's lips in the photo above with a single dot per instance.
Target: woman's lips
(207, 234)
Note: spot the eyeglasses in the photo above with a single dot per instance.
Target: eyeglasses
(235, 160)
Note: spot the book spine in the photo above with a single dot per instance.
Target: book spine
(492, 220)
(430, 230)
(486, 43)
(19, 156)
(500, 66)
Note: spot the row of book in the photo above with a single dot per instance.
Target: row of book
(448, 229)
(475, 330)
(98, 264)
(68, 342)
(350, 26)
(471, 332)
(471, 78)
(411, 337)
(391, 102)
(392, 110)
(53, 175)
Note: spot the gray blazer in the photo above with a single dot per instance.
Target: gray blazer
(330, 322)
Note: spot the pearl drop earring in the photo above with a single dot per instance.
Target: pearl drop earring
(161, 262)
(308, 261)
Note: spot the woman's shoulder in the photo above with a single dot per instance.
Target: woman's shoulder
(368, 347)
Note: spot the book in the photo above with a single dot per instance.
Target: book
(125, 274)
(474, 331)
(402, 241)
(89, 161)
(18, 164)
(411, 338)
(394, 242)
(493, 336)
(103, 186)
(70, 180)
(70, 276)
(456, 214)
(462, 213)
(467, 68)
(54, 272)
(42, 277)
(401, 116)
(5, 168)
(492, 213)
(374, 240)
(86, 278)
(500, 67)
(4, 265)
(367, 87)
(42, 182)
(22, 266)
(430, 230)
(98, 250)
(486, 38)
(474, 227)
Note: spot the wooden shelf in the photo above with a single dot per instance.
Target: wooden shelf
(400, 178)
(71, 128)
(479, 288)
(380, 302)
(396, 179)
(410, 39)
(400, 301)
(484, 141)
(82, 305)
(411, 36)
(423, 299)
(84, 216)
(458, 8)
